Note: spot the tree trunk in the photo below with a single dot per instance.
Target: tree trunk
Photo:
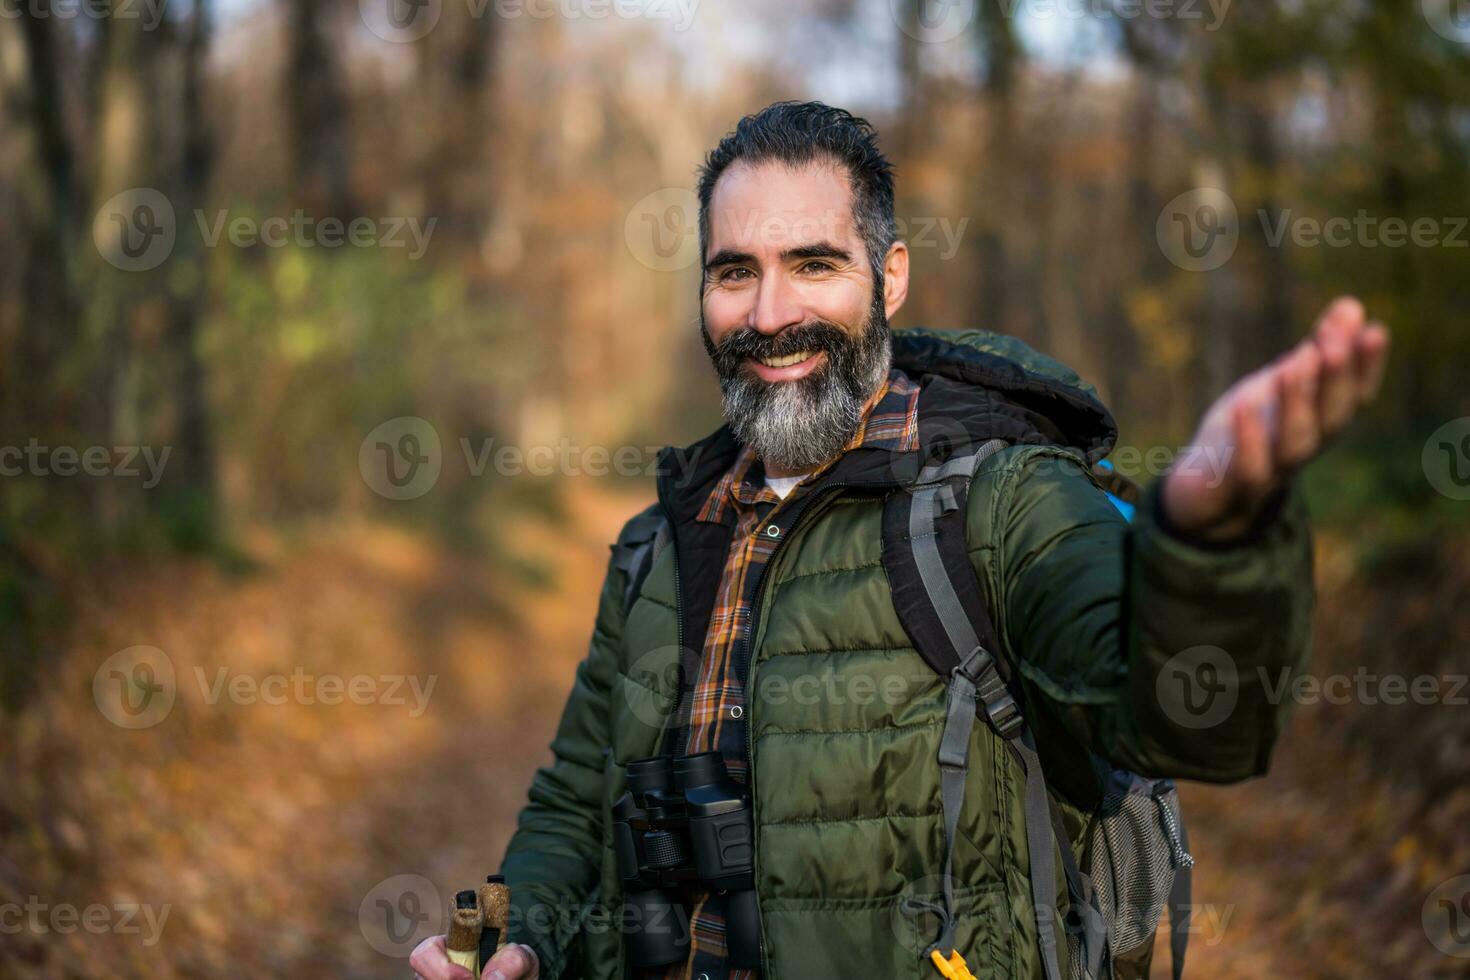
(317, 113)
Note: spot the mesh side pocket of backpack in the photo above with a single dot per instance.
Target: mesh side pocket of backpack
(1136, 848)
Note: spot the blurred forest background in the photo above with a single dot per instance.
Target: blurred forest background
(545, 154)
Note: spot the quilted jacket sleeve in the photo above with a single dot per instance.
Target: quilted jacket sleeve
(1160, 655)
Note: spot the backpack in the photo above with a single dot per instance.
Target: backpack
(1136, 854)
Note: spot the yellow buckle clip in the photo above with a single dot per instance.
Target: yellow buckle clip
(953, 968)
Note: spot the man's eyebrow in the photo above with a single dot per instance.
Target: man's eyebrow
(816, 250)
(728, 256)
(811, 250)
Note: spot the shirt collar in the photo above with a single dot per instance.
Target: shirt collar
(890, 420)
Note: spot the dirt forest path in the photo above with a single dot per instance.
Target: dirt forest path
(260, 830)
(284, 837)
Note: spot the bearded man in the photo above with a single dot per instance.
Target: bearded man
(764, 627)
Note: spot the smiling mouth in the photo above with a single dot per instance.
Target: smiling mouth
(787, 360)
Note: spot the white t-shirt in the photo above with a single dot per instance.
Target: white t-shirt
(784, 484)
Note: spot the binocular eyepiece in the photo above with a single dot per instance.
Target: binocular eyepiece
(684, 821)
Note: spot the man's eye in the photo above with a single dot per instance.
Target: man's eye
(816, 265)
(734, 273)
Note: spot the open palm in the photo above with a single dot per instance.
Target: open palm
(1273, 421)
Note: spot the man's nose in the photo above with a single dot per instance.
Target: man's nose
(776, 306)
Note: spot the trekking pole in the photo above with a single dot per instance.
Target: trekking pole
(466, 924)
(495, 903)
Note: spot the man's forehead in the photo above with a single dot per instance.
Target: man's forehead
(773, 205)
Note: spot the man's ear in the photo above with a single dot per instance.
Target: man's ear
(895, 278)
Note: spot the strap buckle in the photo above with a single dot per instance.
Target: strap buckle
(980, 669)
(953, 968)
(1005, 716)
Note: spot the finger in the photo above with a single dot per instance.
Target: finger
(1343, 319)
(514, 962)
(1372, 360)
(1300, 435)
(430, 961)
(1337, 387)
(1252, 467)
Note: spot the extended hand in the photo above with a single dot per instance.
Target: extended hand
(1272, 422)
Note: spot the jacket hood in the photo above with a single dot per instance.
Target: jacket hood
(985, 385)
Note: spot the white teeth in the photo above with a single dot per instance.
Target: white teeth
(787, 361)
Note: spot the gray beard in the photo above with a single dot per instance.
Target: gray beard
(799, 425)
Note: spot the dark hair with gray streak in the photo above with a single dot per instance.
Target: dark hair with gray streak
(801, 132)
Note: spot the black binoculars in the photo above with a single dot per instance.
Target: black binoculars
(684, 821)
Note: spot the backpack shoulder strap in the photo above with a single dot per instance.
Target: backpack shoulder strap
(939, 602)
(639, 544)
(935, 590)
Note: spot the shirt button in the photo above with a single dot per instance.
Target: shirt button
(737, 712)
(772, 531)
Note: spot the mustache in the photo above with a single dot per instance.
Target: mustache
(748, 343)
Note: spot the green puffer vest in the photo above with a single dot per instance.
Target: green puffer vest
(845, 718)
